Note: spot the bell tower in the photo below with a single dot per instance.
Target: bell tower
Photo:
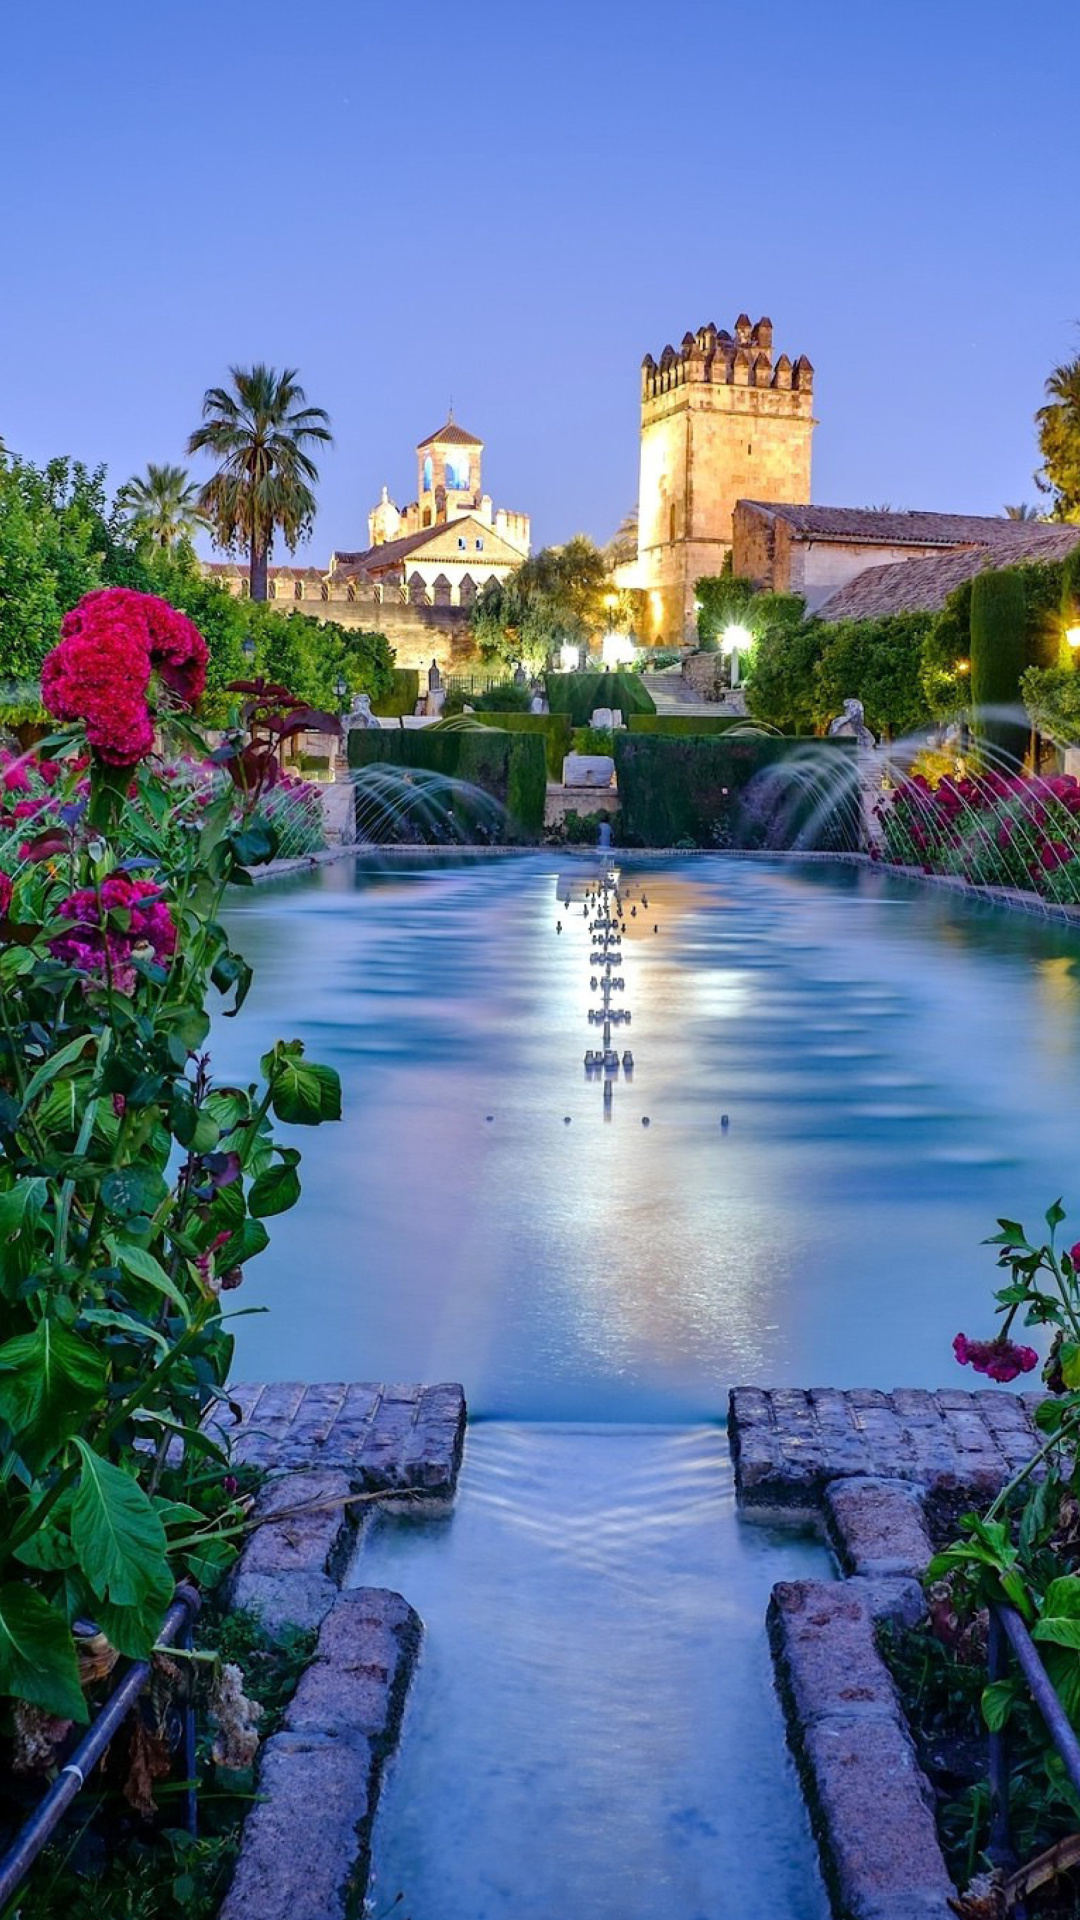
(448, 474)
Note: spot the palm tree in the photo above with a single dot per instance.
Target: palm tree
(1059, 440)
(260, 432)
(162, 505)
(1022, 512)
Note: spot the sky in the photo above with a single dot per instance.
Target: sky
(510, 206)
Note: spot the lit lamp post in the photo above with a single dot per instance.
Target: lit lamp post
(1072, 635)
(341, 688)
(733, 641)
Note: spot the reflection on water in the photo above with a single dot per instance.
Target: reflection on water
(899, 1067)
(593, 1731)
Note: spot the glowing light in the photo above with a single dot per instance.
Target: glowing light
(735, 639)
(616, 650)
(568, 657)
(963, 666)
(1072, 635)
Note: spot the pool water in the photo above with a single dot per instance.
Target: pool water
(593, 1729)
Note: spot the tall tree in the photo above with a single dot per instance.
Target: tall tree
(1059, 440)
(161, 505)
(260, 432)
(1022, 512)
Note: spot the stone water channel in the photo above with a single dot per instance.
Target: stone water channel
(593, 1726)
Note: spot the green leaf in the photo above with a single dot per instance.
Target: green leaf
(1069, 1358)
(37, 1654)
(249, 1239)
(998, 1702)
(302, 1092)
(133, 1630)
(254, 844)
(116, 1532)
(210, 1560)
(112, 1318)
(54, 1065)
(230, 971)
(48, 1380)
(142, 1264)
(133, 1190)
(1055, 1214)
(21, 1208)
(274, 1191)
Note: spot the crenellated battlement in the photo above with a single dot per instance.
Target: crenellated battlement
(714, 357)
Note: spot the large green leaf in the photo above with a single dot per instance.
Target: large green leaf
(48, 1380)
(138, 1261)
(117, 1533)
(20, 1210)
(37, 1654)
(133, 1190)
(302, 1092)
(249, 1239)
(133, 1630)
(54, 1065)
(275, 1190)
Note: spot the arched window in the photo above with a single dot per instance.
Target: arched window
(457, 472)
(427, 473)
(671, 521)
(298, 589)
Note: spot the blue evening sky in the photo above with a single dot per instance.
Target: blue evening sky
(512, 204)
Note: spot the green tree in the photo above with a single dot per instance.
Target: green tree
(260, 433)
(561, 596)
(877, 662)
(1059, 441)
(1022, 512)
(781, 684)
(997, 660)
(161, 506)
(55, 546)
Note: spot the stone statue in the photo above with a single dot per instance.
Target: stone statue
(851, 725)
(359, 714)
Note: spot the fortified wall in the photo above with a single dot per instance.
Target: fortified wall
(418, 630)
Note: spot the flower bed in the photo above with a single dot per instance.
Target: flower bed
(992, 830)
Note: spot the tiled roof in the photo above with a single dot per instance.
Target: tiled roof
(922, 586)
(377, 559)
(866, 525)
(450, 436)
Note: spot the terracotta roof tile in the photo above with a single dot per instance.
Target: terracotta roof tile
(922, 586)
(867, 525)
(450, 436)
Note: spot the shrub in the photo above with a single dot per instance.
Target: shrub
(681, 726)
(997, 660)
(991, 829)
(583, 829)
(441, 784)
(593, 739)
(579, 694)
(400, 697)
(553, 728)
(723, 792)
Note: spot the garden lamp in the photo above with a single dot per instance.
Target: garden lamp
(247, 648)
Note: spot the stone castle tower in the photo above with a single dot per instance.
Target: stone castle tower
(720, 421)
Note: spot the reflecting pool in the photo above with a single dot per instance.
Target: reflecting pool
(593, 1730)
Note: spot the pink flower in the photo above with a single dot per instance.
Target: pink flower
(106, 947)
(6, 890)
(111, 644)
(1074, 1254)
(999, 1359)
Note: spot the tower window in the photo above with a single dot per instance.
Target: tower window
(671, 522)
(457, 472)
(427, 474)
(480, 546)
(462, 542)
(749, 448)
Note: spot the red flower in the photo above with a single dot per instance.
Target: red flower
(110, 645)
(1074, 1254)
(999, 1359)
(5, 893)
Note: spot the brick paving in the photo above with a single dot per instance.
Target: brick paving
(407, 1437)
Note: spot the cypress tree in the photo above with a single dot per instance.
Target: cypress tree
(998, 658)
(1070, 592)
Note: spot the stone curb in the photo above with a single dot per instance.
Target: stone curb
(870, 1803)
(306, 1848)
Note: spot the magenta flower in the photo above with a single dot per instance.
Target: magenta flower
(999, 1359)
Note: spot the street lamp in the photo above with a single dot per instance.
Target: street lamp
(341, 688)
(247, 648)
(1072, 635)
(734, 640)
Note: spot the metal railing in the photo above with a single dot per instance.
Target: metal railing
(1008, 1634)
(32, 1836)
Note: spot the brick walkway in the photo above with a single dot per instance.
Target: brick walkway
(789, 1443)
(378, 1436)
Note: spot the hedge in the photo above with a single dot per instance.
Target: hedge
(705, 792)
(682, 726)
(998, 658)
(554, 728)
(508, 767)
(402, 697)
(579, 694)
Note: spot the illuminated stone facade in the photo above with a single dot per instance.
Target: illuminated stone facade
(721, 420)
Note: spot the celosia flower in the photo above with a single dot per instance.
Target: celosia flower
(6, 890)
(999, 1359)
(111, 644)
(95, 947)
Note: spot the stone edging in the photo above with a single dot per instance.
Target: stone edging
(305, 1851)
(880, 1472)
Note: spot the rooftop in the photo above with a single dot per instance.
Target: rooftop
(450, 436)
(922, 586)
(869, 525)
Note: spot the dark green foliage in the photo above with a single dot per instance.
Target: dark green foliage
(680, 726)
(949, 638)
(553, 728)
(506, 696)
(781, 684)
(508, 768)
(877, 662)
(1070, 589)
(579, 694)
(998, 610)
(706, 792)
(401, 696)
(726, 599)
(583, 829)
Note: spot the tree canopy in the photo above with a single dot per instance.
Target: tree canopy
(560, 596)
(1059, 440)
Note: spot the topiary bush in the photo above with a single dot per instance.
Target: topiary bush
(553, 728)
(579, 694)
(488, 785)
(682, 726)
(998, 658)
(743, 793)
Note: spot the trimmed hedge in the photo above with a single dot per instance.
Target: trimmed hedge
(579, 694)
(706, 792)
(508, 767)
(998, 658)
(402, 697)
(682, 726)
(554, 728)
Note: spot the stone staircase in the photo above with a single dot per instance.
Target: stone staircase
(672, 694)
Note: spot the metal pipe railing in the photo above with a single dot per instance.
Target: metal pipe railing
(1008, 1632)
(32, 1836)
